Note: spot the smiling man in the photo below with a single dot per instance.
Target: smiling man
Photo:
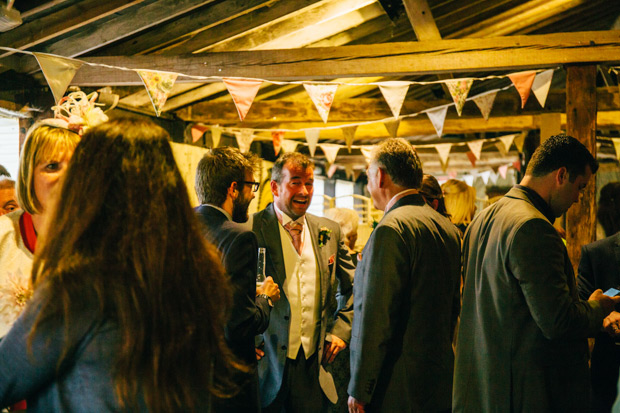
(306, 257)
(522, 340)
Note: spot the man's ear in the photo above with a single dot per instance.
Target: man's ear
(232, 191)
(274, 188)
(383, 177)
(561, 175)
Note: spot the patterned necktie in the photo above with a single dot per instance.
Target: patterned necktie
(294, 228)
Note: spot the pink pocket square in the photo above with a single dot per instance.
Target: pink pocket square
(332, 259)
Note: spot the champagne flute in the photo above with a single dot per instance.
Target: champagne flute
(260, 270)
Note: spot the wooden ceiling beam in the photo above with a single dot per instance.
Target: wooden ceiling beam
(422, 20)
(394, 59)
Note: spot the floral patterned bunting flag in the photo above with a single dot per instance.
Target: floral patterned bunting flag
(323, 97)
(276, 137)
(459, 89)
(394, 93)
(158, 85)
(523, 83)
(58, 72)
(243, 92)
(485, 103)
(312, 138)
(438, 117)
(476, 147)
(541, 86)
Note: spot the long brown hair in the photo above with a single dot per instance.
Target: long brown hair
(125, 236)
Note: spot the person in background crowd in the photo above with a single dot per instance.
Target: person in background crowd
(522, 339)
(307, 330)
(4, 173)
(8, 196)
(460, 200)
(348, 220)
(600, 268)
(401, 346)
(129, 300)
(225, 186)
(431, 191)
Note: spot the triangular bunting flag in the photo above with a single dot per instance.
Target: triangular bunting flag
(485, 176)
(452, 174)
(244, 139)
(476, 147)
(503, 170)
(517, 165)
(392, 127)
(443, 149)
(323, 97)
(356, 174)
(616, 142)
(541, 86)
(289, 145)
(367, 151)
(312, 138)
(523, 83)
(485, 103)
(216, 134)
(276, 137)
(349, 134)
(243, 92)
(507, 142)
(394, 94)
(472, 158)
(501, 148)
(438, 117)
(330, 150)
(493, 177)
(459, 89)
(158, 85)
(348, 170)
(520, 141)
(469, 180)
(332, 170)
(58, 72)
(197, 131)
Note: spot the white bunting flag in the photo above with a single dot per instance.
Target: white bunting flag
(476, 147)
(332, 170)
(244, 139)
(469, 180)
(323, 97)
(394, 93)
(289, 145)
(443, 149)
(58, 71)
(485, 176)
(493, 177)
(485, 103)
(459, 89)
(503, 170)
(506, 142)
(331, 151)
(616, 142)
(520, 141)
(243, 92)
(216, 134)
(367, 151)
(349, 134)
(541, 86)
(438, 117)
(392, 127)
(312, 138)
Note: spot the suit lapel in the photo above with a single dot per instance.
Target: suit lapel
(271, 234)
(313, 227)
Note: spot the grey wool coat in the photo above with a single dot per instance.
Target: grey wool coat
(522, 339)
(406, 306)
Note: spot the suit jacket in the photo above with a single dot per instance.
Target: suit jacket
(522, 339)
(336, 279)
(249, 314)
(600, 268)
(406, 306)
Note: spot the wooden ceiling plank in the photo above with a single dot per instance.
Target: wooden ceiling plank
(422, 20)
(394, 59)
(57, 24)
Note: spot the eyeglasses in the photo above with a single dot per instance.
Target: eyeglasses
(255, 185)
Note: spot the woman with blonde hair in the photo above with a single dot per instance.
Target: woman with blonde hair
(460, 200)
(129, 300)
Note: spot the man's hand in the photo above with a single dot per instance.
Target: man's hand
(355, 406)
(611, 324)
(331, 349)
(608, 303)
(270, 288)
(259, 353)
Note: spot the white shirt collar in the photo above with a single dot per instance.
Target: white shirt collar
(284, 218)
(398, 196)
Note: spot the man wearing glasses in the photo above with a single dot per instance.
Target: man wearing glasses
(225, 187)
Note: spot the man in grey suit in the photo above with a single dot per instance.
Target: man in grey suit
(306, 257)
(522, 339)
(406, 294)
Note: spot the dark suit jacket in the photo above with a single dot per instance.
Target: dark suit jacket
(522, 339)
(336, 280)
(600, 268)
(249, 314)
(406, 306)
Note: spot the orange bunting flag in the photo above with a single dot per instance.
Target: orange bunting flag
(197, 131)
(523, 83)
(459, 89)
(58, 72)
(485, 103)
(438, 117)
(517, 165)
(323, 97)
(312, 138)
(394, 93)
(276, 137)
(243, 92)
(472, 158)
(158, 85)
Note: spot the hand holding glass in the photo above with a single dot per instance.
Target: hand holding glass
(260, 270)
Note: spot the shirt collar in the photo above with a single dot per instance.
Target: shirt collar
(228, 216)
(285, 219)
(539, 203)
(398, 196)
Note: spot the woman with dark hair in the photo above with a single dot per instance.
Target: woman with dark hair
(432, 194)
(129, 300)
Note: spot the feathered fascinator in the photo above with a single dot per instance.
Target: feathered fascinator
(77, 112)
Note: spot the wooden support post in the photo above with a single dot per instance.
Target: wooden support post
(581, 124)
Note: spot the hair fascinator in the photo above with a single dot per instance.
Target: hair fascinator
(77, 112)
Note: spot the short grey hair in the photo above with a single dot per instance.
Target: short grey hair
(398, 158)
